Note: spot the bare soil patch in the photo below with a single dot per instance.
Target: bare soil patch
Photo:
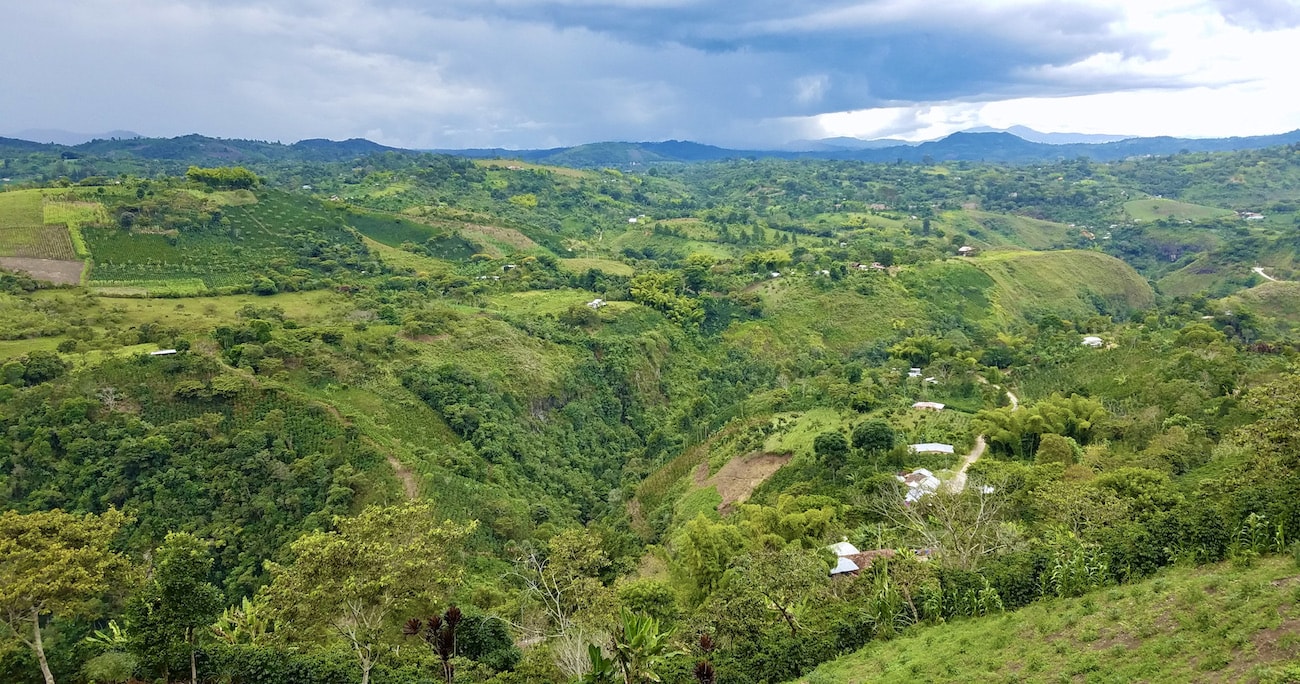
(55, 271)
(739, 478)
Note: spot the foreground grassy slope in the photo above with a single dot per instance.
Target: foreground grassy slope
(1210, 624)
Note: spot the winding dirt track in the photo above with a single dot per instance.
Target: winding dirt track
(958, 483)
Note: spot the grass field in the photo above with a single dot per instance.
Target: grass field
(553, 302)
(1211, 624)
(1067, 283)
(1008, 229)
(498, 241)
(797, 316)
(400, 258)
(516, 165)
(1152, 209)
(21, 208)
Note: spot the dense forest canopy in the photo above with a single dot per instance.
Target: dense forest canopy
(370, 415)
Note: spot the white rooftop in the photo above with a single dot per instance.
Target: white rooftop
(843, 548)
(931, 448)
(843, 565)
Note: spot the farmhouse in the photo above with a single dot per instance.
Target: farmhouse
(965, 250)
(919, 483)
(928, 406)
(596, 303)
(162, 352)
(913, 372)
(1092, 341)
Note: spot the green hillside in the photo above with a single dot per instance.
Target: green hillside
(572, 401)
(1213, 624)
(1067, 283)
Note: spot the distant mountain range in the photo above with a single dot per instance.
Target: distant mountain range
(983, 146)
(993, 146)
(62, 137)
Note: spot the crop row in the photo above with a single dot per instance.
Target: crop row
(37, 242)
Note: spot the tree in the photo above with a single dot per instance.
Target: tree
(785, 579)
(962, 528)
(874, 436)
(179, 597)
(54, 564)
(1056, 449)
(832, 450)
(565, 579)
(354, 578)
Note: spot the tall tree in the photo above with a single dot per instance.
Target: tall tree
(176, 602)
(54, 564)
(356, 577)
(832, 449)
(874, 436)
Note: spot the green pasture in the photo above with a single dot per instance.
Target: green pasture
(1152, 209)
(1067, 283)
(21, 208)
(1210, 624)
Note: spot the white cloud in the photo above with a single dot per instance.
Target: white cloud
(1205, 76)
(548, 72)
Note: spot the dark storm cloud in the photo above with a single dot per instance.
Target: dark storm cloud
(527, 72)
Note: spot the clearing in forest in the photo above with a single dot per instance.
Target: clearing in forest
(1157, 208)
(738, 479)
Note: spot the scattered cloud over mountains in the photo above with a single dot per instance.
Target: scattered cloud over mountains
(532, 73)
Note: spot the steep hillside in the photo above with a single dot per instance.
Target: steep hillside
(1067, 283)
(1214, 624)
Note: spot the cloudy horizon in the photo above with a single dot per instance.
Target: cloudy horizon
(548, 73)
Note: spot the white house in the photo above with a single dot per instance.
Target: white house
(931, 448)
(928, 405)
(913, 372)
(966, 250)
(919, 483)
(843, 548)
(596, 303)
(162, 352)
(1092, 341)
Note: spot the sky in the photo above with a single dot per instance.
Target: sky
(739, 73)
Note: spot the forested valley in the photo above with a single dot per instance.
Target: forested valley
(357, 415)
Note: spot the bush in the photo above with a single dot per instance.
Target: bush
(113, 667)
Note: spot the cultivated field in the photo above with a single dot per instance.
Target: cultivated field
(37, 242)
(36, 239)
